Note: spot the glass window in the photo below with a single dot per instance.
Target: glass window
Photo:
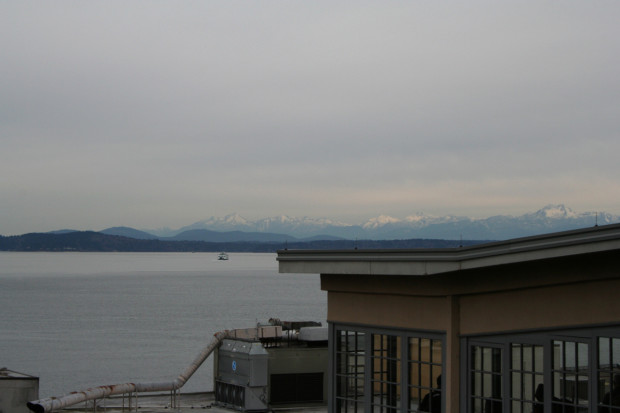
(425, 367)
(350, 370)
(526, 390)
(571, 376)
(375, 369)
(486, 379)
(563, 371)
(386, 373)
(608, 375)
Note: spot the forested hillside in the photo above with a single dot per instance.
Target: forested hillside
(95, 241)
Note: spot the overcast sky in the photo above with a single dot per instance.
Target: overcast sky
(163, 113)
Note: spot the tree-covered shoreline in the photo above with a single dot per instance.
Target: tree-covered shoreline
(91, 241)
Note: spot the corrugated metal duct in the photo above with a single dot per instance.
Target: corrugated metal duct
(51, 404)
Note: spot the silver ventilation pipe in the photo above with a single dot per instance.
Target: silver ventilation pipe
(51, 404)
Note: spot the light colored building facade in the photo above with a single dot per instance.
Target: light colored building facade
(16, 389)
(526, 325)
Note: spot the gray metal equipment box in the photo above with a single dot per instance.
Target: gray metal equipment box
(241, 380)
(16, 389)
(257, 368)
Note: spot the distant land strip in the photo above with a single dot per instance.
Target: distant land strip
(90, 241)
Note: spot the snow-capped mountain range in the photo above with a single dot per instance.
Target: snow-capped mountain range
(551, 218)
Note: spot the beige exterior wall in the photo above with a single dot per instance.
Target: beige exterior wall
(582, 303)
(568, 292)
(426, 313)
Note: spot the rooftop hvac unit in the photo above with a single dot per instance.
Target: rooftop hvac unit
(270, 366)
(16, 389)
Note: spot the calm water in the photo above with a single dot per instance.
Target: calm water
(79, 320)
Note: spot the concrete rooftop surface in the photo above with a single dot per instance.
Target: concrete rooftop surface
(190, 402)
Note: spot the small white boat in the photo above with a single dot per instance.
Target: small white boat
(222, 256)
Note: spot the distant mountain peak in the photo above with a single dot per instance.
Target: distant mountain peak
(556, 211)
(128, 232)
(417, 217)
(422, 219)
(551, 218)
(226, 222)
(303, 221)
(235, 218)
(279, 218)
(381, 220)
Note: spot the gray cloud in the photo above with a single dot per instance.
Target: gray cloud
(161, 113)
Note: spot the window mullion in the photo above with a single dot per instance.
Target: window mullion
(506, 373)
(368, 371)
(404, 373)
(594, 373)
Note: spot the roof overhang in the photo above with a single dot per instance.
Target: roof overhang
(421, 262)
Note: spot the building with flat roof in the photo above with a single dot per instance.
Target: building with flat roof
(525, 325)
(16, 389)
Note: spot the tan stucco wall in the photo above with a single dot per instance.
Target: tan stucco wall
(568, 305)
(427, 313)
(541, 294)
(582, 303)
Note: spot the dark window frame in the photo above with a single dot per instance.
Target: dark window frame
(546, 338)
(403, 361)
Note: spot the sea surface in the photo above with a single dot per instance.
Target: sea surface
(78, 320)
